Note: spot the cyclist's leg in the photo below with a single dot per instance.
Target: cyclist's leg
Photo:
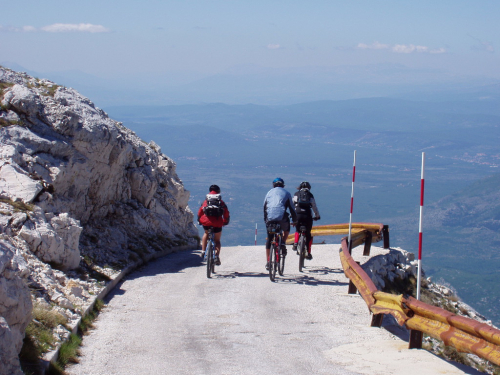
(308, 222)
(285, 226)
(300, 222)
(268, 247)
(297, 230)
(204, 239)
(217, 236)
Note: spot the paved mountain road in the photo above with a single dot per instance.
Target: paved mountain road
(168, 318)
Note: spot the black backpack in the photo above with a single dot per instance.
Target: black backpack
(214, 205)
(304, 199)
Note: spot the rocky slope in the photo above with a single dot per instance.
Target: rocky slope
(81, 197)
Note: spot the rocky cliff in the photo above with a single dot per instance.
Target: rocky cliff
(81, 197)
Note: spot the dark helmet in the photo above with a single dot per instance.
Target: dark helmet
(278, 181)
(214, 188)
(304, 185)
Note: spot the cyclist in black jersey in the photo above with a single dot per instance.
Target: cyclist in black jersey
(304, 202)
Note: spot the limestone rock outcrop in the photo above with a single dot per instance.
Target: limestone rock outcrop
(15, 309)
(397, 264)
(80, 196)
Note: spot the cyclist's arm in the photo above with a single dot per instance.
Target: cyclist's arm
(226, 216)
(265, 210)
(291, 208)
(314, 207)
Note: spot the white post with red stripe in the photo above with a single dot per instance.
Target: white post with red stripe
(352, 200)
(420, 227)
(255, 234)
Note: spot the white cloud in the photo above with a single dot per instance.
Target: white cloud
(9, 28)
(481, 45)
(375, 45)
(58, 28)
(273, 46)
(403, 48)
(484, 46)
(400, 48)
(71, 27)
(439, 50)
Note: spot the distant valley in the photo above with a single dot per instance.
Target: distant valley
(244, 147)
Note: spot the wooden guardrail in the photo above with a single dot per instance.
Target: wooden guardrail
(465, 334)
(366, 233)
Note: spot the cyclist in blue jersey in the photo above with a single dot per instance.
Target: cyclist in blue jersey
(277, 202)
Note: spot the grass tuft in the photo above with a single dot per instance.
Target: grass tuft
(18, 205)
(68, 353)
(39, 337)
(88, 320)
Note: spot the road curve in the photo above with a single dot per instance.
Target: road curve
(168, 318)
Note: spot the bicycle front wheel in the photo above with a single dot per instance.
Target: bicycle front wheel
(272, 263)
(210, 259)
(281, 262)
(302, 250)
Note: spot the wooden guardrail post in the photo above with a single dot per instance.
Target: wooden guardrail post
(368, 243)
(415, 339)
(385, 232)
(352, 288)
(377, 320)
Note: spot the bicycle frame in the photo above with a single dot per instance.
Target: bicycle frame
(302, 246)
(276, 256)
(210, 254)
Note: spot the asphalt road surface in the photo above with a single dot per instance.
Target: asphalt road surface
(169, 318)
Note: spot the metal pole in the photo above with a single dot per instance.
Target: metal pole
(420, 227)
(352, 200)
(417, 336)
(255, 234)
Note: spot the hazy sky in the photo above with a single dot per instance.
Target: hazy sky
(111, 38)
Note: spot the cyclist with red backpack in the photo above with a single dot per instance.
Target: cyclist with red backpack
(213, 213)
(304, 202)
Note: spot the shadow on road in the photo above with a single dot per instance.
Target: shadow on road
(303, 278)
(307, 280)
(171, 263)
(233, 275)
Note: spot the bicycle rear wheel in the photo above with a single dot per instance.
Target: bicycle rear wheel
(272, 262)
(302, 249)
(210, 259)
(281, 263)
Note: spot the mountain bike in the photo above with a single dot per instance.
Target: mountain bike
(276, 256)
(210, 254)
(302, 246)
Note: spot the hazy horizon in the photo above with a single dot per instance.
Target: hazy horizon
(252, 52)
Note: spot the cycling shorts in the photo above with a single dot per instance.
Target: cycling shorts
(216, 229)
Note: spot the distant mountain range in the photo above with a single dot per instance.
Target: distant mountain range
(462, 242)
(274, 86)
